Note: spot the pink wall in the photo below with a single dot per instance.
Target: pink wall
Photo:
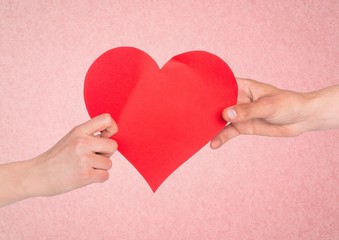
(252, 188)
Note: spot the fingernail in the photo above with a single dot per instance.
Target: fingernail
(231, 113)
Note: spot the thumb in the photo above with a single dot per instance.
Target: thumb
(262, 108)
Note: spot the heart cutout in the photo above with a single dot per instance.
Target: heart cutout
(164, 115)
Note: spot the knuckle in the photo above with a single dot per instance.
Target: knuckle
(248, 83)
(110, 145)
(110, 121)
(86, 174)
(107, 117)
(85, 161)
(222, 136)
(80, 143)
(252, 129)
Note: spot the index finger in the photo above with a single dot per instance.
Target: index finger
(252, 90)
(102, 123)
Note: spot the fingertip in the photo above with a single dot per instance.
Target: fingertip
(105, 119)
(215, 143)
(112, 123)
(225, 135)
(102, 176)
(105, 176)
(106, 116)
(115, 145)
(110, 165)
(229, 114)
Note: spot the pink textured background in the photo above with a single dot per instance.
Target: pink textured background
(252, 188)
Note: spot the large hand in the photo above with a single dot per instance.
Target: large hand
(266, 110)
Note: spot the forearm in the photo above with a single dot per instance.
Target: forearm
(15, 179)
(324, 109)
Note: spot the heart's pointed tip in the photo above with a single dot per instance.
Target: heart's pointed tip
(153, 182)
(154, 188)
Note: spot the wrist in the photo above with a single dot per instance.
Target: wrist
(322, 110)
(33, 179)
(312, 111)
(16, 180)
(26, 174)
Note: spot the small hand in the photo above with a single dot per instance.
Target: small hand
(78, 159)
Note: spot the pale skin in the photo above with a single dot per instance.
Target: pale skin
(78, 159)
(265, 110)
(82, 157)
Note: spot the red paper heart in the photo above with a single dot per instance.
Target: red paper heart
(164, 115)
